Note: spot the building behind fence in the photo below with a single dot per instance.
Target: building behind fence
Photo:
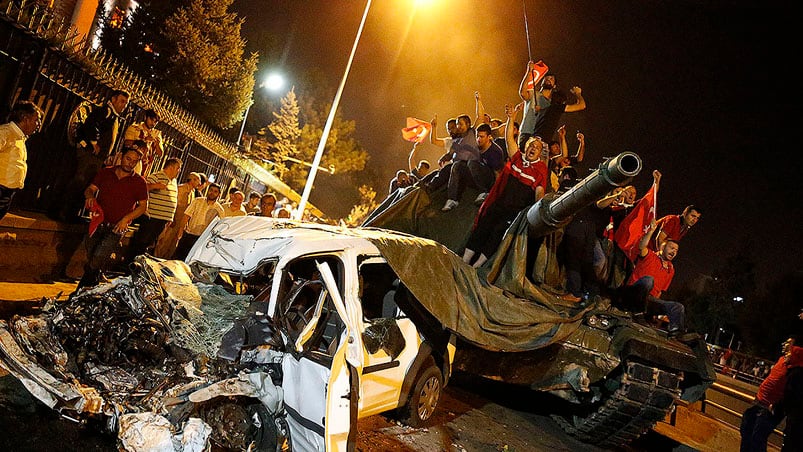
(43, 58)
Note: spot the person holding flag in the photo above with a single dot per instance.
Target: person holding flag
(543, 108)
(653, 271)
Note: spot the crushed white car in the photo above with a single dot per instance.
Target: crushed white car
(272, 335)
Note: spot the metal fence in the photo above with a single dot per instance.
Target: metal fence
(42, 60)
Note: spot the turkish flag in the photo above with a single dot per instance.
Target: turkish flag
(635, 225)
(539, 71)
(416, 130)
(96, 217)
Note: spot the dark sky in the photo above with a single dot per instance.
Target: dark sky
(702, 90)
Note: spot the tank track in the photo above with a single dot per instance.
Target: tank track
(645, 395)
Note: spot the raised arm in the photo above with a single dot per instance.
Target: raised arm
(525, 92)
(413, 157)
(432, 135)
(645, 239)
(510, 138)
(580, 104)
(482, 116)
(564, 147)
(581, 148)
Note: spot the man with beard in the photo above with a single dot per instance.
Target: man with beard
(543, 108)
(651, 277)
(118, 196)
(197, 217)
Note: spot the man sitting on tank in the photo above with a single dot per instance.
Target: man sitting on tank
(650, 278)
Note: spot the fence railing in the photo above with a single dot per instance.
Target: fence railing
(44, 59)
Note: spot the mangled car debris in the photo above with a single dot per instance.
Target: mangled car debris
(172, 358)
(281, 333)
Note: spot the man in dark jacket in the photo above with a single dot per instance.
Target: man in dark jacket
(94, 141)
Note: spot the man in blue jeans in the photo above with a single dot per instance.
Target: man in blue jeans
(651, 276)
(761, 418)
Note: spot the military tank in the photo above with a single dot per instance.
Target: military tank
(616, 373)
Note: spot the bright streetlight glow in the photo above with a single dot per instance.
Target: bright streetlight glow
(274, 82)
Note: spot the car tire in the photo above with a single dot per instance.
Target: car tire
(425, 396)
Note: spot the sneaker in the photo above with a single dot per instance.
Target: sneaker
(450, 204)
(481, 198)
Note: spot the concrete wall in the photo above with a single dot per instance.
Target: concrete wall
(33, 248)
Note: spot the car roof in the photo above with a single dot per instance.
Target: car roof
(239, 244)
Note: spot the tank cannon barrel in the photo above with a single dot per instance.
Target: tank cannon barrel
(553, 212)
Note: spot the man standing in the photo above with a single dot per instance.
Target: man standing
(267, 204)
(120, 196)
(760, 419)
(651, 277)
(492, 159)
(543, 108)
(234, 208)
(147, 132)
(24, 120)
(674, 227)
(252, 208)
(162, 200)
(95, 140)
(197, 217)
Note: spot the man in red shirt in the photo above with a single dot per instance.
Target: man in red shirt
(674, 227)
(122, 196)
(760, 419)
(651, 277)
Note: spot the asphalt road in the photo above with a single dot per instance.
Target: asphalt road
(472, 416)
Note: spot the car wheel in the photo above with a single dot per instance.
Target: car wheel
(425, 396)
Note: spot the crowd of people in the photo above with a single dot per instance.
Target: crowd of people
(514, 164)
(130, 193)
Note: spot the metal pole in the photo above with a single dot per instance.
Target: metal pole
(242, 127)
(319, 153)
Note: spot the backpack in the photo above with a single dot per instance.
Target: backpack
(77, 119)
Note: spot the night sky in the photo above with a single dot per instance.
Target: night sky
(702, 90)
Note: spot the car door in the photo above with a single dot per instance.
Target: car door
(320, 383)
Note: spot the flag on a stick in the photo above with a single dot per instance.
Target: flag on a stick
(635, 225)
(416, 130)
(539, 71)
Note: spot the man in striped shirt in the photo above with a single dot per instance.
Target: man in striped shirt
(162, 200)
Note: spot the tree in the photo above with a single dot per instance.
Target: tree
(360, 211)
(279, 139)
(208, 72)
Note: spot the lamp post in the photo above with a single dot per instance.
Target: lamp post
(319, 153)
(274, 82)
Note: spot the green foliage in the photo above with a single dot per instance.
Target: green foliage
(208, 72)
(361, 211)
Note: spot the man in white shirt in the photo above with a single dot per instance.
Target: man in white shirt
(24, 120)
(235, 208)
(197, 217)
(162, 200)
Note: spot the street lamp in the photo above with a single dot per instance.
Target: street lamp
(319, 153)
(274, 82)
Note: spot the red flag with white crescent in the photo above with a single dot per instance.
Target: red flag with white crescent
(635, 225)
(539, 71)
(416, 130)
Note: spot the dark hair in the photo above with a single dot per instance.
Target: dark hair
(151, 113)
(119, 92)
(232, 190)
(135, 150)
(424, 163)
(266, 196)
(551, 142)
(203, 178)
(172, 161)
(22, 110)
(465, 118)
(214, 185)
(568, 171)
(254, 195)
(484, 127)
(691, 207)
(134, 145)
